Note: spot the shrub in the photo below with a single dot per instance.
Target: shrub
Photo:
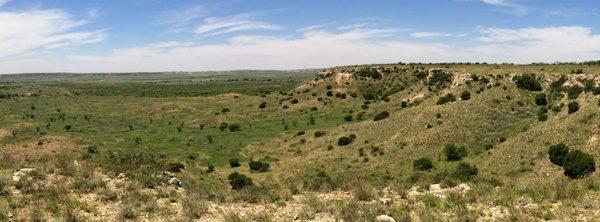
(68, 128)
(234, 127)
(439, 79)
(234, 162)
(368, 72)
(320, 133)
(294, 101)
(454, 153)
(446, 99)
(557, 153)
(300, 133)
(574, 91)
(345, 140)
(239, 181)
(540, 99)
(348, 118)
(225, 110)
(465, 95)
(578, 164)
(422, 164)
(257, 166)
(527, 82)
(465, 172)
(175, 167)
(262, 105)
(381, 115)
(573, 107)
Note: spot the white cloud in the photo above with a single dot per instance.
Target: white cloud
(514, 7)
(435, 34)
(3, 2)
(22, 32)
(221, 25)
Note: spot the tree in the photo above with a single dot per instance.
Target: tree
(454, 153)
(422, 164)
(381, 115)
(557, 153)
(239, 181)
(578, 164)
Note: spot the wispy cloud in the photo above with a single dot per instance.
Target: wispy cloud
(435, 34)
(221, 25)
(514, 7)
(25, 31)
(3, 2)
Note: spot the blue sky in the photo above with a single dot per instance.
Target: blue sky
(185, 35)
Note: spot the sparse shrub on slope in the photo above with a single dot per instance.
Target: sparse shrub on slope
(320, 133)
(573, 107)
(574, 91)
(175, 167)
(234, 127)
(454, 153)
(348, 118)
(345, 140)
(262, 105)
(557, 153)
(239, 181)
(540, 99)
(465, 95)
(465, 172)
(234, 162)
(446, 99)
(422, 164)
(258, 166)
(527, 82)
(368, 72)
(578, 164)
(439, 79)
(381, 115)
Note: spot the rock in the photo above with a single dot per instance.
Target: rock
(169, 174)
(21, 173)
(175, 182)
(121, 176)
(384, 218)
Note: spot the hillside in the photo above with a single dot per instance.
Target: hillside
(415, 142)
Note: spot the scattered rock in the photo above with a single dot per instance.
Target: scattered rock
(121, 176)
(175, 182)
(21, 173)
(384, 218)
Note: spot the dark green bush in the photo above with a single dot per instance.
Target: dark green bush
(175, 167)
(320, 133)
(574, 91)
(465, 172)
(381, 115)
(446, 99)
(262, 105)
(527, 82)
(348, 118)
(465, 95)
(540, 99)
(239, 181)
(345, 140)
(294, 101)
(439, 79)
(422, 164)
(454, 153)
(578, 164)
(234, 162)
(257, 166)
(557, 153)
(368, 72)
(573, 107)
(234, 127)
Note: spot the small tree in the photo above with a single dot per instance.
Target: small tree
(557, 153)
(422, 164)
(578, 164)
(454, 153)
(239, 181)
(573, 107)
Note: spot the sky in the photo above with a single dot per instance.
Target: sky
(187, 35)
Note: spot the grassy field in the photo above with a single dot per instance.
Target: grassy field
(99, 144)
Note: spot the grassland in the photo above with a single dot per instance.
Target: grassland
(96, 146)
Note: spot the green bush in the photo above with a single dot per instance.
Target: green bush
(454, 153)
(175, 167)
(234, 127)
(422, 164)
(578, 164)
(320, 133)
(239, 181)
(573, 107)
(368, 72)
(446, 99)
(381, 115)
(527, 82)
(294, 101)
(465, 95)
(540, 99)
(257, 166)
(262, 105)
(345, 140)
(234, 162)
(557, 153)
(574, 91)
(348, 118)
(465, 172)
(439, 79)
